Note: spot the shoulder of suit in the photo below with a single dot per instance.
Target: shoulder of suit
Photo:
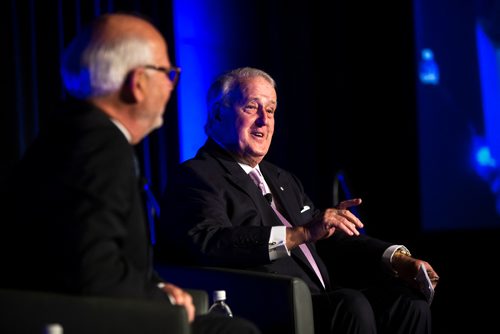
(266, 165)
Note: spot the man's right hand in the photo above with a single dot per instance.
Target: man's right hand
(324, 225)
(334, 218)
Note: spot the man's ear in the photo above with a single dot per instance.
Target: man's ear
(216, 111)
(133, 88)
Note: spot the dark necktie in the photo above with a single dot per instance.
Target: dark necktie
(258, 179)
(152, 207)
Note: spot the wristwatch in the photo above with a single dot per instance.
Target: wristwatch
(402, 251)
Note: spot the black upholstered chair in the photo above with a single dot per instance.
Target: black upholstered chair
(275, 303)
(28, 312)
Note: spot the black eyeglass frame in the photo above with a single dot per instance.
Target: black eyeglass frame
(173, 73)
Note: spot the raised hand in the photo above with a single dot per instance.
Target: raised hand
(334, 218)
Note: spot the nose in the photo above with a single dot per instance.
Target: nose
(262, 118)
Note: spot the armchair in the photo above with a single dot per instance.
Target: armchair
(26, 312)
(275, 303)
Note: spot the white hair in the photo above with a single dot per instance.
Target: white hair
(91, 67)
(221, 89)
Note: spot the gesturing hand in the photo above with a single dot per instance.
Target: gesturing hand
(334, 218)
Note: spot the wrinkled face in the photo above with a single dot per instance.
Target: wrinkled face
(248, 124)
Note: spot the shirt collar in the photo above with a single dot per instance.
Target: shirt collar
(248, 168)
(123, 129)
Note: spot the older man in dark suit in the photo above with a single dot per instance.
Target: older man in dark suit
(228, 207)
(77, 223)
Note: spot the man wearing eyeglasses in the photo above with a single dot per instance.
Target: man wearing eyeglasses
(76, 197)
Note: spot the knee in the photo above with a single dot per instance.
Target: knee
(352, 313)
(420, 309)
(343, 311)
(357, 305)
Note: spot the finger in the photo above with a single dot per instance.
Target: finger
(184, 299)
(342, 219)
(350, 217)
(352, 228)
(348, 203)
(191, 311)
(180, 296)
(433, 276)
(187, 299)
(345, 225)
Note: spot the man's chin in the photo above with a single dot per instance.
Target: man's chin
(158, 124)
(256, 157)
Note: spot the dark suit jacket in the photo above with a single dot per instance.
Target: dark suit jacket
(78, 224)
(214, 214)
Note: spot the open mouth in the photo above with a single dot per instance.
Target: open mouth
(258, 134)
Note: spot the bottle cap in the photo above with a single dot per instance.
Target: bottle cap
(219, 295)
(53, 329)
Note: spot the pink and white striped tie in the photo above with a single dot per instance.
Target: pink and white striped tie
(259, 181)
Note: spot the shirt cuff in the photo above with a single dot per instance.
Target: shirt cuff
(277, 243)
(389, 252)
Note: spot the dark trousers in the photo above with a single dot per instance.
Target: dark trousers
(388, 309)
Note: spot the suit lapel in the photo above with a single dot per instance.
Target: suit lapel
(280, 191)
(239, 179)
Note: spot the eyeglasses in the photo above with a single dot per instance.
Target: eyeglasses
(172, 73)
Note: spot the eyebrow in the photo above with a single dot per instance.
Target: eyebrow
(257, 99)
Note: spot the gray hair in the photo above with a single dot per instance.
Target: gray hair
(93, 66)
(221, 90)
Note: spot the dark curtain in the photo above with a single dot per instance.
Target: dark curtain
(346, 91)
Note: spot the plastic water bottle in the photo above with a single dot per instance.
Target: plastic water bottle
(219, 305)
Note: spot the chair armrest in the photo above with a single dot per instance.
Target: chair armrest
(200, 299)
(30, 311)
(275, 303)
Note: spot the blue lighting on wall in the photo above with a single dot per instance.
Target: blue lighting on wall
(484, 158)
(201, 34)
(428, 68)
(489, 70)
(458, 119)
